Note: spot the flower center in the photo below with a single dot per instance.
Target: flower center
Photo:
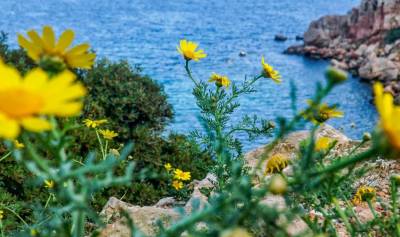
(18, 103)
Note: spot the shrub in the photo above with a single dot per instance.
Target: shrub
(392, 36)
(136, 107)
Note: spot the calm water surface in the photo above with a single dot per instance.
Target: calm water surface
(146, 32)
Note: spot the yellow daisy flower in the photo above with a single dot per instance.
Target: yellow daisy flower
(363, 194)
(168, 166)
(177, 184)
(389, 115)
(189, 52)
(24, 101)
(18, 145)
(108, 134)
(1, 214)
(276, 164)
(94, 123)
(323, 113)
(180, 175)
(45, 47)
(323, 143)
(49, 184)
(270, 72)
(220, 80)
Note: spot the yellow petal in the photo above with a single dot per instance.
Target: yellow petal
(35, 79)
(9, 129)
(49, 38)
(32, 50)
(35, 38)
(35, 124)
(67, 109)
(82, 61)
(79, 49)
(65, 40)
(9, 77)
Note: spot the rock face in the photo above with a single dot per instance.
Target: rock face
(357, 41)
(145, 217)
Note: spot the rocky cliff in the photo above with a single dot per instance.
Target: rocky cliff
(365, 41)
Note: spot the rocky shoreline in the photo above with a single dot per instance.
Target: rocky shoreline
(365, 42)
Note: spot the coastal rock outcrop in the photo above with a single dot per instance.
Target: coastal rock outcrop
(365, 41)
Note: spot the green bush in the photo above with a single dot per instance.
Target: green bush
(136, 107)
(128, 100)
(392, 35)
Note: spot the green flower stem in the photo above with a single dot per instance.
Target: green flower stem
(78, 224)
(190, 73)
(346, 162)
(35, 157)
(1, 228)
(376, 217)
(101, 144)
(15, 214)
(5, 156)
(105, 150)
(393, 193)
(48, 200)
(343, 216)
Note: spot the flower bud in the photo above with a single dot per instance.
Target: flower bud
(336, 75)
(278, 185)
(366, 137)
(396, 179)
(236, 232)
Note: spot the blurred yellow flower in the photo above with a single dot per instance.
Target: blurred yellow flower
(323, 113)
(220, 80)
(276, 163)
(323, 143)
(34, 232)
(389, 115)
(18, 145)
(1, 214)
(363, 194)
(168, 166)
(49, 184)
(45, 47)
(94, 123)
(189, 51)
(24, 101)
(270, 72)
(177, 184)
(108, 134)
(180, 175)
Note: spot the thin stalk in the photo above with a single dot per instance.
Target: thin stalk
(5, 156)
(78, 224)
(346, 162)
(48, 200)
(36, 158)
(100, 143)
(15, 214)
(343, 216)
(1, 228)
(190, 73)
(372, 209)
(105, 150)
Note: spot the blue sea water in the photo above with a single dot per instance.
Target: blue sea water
(146, 32)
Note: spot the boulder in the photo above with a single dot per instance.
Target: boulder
(144, 218)
(289, 146)
(280, 37)
(379, 68)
